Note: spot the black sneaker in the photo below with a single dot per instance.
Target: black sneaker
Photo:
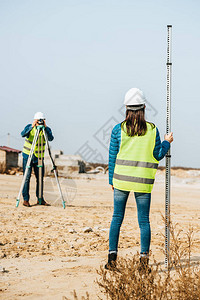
(111, 261)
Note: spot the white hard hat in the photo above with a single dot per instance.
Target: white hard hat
(134, 96)
(39, 115)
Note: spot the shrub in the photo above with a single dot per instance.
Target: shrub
(180, 281)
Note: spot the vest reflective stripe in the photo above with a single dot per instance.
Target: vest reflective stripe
(26, 148)
(44, 142)
(136, 163)
(133, 179)
(29, 141)
(135, 166)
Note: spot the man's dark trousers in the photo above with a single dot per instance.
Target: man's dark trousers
(34, 165)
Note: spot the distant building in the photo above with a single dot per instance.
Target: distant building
(66, 164)
(8, 158)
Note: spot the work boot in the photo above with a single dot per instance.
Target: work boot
(111, 261)
(26, 203)
(144, 265)
(43, 203)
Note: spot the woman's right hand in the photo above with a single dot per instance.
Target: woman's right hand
(169, 137)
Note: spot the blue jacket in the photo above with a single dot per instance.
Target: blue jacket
(160, 149)
(25, 133)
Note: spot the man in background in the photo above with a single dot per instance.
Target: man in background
(29, 133)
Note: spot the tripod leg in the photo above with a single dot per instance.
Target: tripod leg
(26, 188)
(27, 167)
(59, 188)
(54, 169)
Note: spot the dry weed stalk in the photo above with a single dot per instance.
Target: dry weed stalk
(76, 297)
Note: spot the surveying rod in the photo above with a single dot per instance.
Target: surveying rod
(168, 156)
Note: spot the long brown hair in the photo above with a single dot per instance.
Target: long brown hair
(135, 122)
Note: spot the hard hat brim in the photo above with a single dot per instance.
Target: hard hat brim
(135, 107)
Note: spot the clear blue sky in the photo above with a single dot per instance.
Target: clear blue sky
(74, 60)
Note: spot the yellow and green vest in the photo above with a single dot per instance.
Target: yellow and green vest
(135, 166)
(29, 141)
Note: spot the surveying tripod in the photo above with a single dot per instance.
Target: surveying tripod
(40, 140)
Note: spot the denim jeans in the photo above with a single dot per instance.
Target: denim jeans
(143, 201)
(25, 191)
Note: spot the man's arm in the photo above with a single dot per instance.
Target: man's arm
(49, 134)
(26, 131)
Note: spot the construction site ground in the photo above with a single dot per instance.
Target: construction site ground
(47, 252)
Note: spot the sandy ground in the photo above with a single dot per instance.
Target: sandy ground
(45, 253)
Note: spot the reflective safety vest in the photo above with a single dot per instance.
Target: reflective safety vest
(29, 141)
(135, 166)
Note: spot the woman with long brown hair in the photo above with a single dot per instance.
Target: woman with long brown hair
(134, 154)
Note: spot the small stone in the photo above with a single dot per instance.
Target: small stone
(96, 227)
(20, 244)
(105, 229)
(2, 269)
(72, 230)
(12, 172)
(87, 229)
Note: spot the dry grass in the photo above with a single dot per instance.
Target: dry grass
(180, 281)
(76, 297)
